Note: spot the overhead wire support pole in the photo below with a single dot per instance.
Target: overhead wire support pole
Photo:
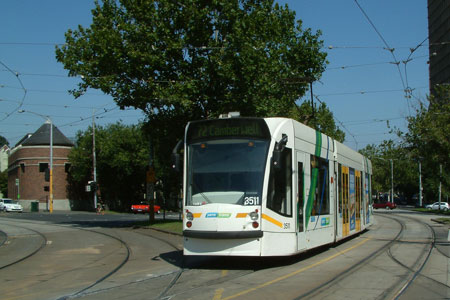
(420, 183)
(94, 159)
(392, 180)
(312, 99)
(440, 185)
(51, 166)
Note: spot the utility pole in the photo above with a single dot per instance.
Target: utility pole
(440, 185)
(312, 98)
(392, 180)
(51, 165)
(420, 183)
(151, 179)
(94, 159)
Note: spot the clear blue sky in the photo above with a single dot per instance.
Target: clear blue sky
(362, 86)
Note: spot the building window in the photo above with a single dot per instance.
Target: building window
(43, 167)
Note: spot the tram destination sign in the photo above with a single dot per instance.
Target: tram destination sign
(228, 128)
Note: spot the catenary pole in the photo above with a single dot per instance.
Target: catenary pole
(94, 159)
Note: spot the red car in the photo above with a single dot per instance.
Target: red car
(144, 208)
(387, 205)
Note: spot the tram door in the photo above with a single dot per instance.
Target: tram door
(358, 200)
(345, 201)
(302, 181)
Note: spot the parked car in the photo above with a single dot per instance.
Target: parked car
(144, 208)
(435, 205)
(9, 205)
(387, 205)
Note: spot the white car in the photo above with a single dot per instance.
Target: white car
(435, 205)
(8, 205)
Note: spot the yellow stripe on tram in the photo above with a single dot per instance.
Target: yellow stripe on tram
(272, 220)
(241, 215)
(197, 215)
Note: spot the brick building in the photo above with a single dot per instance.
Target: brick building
(28, 162)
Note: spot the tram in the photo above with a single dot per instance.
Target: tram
(269, 187)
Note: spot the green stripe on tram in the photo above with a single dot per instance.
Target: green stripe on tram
(314, 177)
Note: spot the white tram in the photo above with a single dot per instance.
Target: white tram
(269, 187)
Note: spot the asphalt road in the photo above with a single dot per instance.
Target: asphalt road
(77, 255)
(89, 218)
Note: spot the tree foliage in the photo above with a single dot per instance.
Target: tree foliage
(3, 141)
(179, 61)
(405, 173)
(195, 59)
(4, 183)
(122, 159)
(321, 119)
(427, 140)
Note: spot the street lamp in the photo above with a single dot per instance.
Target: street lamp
(48, 121)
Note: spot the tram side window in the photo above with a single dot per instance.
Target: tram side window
(279, 197)
(319, 172)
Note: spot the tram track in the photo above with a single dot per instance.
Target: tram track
(37, 250)
(3, 238)
(187, 268)
(416, 270)
(367, 259)
(163, 295)
(84, 290)
(81, 292)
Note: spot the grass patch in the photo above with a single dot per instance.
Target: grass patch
(443, 220)
(169, 225)
(433, 211)
(173, 226)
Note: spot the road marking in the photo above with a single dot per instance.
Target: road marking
(294, 273)
(218, 294)
(224, 273)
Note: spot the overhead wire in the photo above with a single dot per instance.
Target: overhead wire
(22, 87)
(390, 49)
(343, 126)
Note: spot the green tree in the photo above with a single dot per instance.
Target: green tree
(194, 59)
(179, 61)
(122, 158)
(428, 140)
(405, 173)
(4, 183)
(3, 141)
(321, 119)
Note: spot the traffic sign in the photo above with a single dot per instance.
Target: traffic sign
(151, 176)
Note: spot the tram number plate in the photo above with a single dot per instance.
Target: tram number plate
(251, 201)
(286, 225)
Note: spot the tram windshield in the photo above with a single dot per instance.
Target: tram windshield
(226, 171)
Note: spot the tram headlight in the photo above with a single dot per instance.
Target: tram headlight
(189, 216)
(254, 215)
(188, 224)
